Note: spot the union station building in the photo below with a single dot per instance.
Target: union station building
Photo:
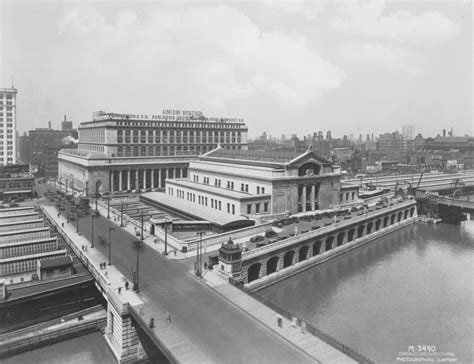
(120, 152)
(234, 184)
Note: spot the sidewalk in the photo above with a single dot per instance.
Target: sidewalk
(310, 344)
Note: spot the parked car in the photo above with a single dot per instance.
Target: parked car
(270, 233)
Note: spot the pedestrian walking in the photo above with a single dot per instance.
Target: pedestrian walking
(303, 327)
(174, 252)
(126, 285)
(62, 224)
(168, 318)
(119, 290)
(279, 321)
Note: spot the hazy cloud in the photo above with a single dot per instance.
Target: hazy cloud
(367, 18)
(308, 9)
(197, 55)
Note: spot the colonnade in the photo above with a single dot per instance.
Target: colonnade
(134, 179)
(308, 197)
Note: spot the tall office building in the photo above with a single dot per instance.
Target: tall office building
(7, 126)
(408, 132)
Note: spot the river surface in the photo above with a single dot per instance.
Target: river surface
(412, 287)
(87, 349)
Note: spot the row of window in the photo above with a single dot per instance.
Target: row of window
(11, 185)
(18, 267)
(257, 208)
(173, 136)
(202, 200)
(244, 187)
(19, 250)
(348, 195)
(137, 151)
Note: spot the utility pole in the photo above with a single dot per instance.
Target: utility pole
(110, 244)
(136, 284)
(121, 214)
(96, 197)
(67, 210)
(141, 220)
(199, 254)
(92, 231)
(166, 237)
(77, 220)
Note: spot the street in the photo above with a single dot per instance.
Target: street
(223, 331)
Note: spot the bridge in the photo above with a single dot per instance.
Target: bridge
(208, 324)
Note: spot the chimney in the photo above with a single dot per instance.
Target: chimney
(444, 132)
(49, 124)
(65, 118)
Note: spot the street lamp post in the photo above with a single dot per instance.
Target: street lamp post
(108, 207)
(136, 284)
(77, 220)
(141, 221)
(121, 214)
(67, 210)
(199, 255)
(96, 197)
(66, 184)
(165, 225)
(92, 231)
(110, 244)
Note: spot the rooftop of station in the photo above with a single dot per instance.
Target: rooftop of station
(281, 158)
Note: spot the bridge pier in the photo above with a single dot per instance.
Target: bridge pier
(120, 332)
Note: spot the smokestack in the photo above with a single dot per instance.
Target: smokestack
(444, 132)
(49, 124)
(65, 118)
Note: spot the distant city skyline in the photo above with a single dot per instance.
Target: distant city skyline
(284, 67)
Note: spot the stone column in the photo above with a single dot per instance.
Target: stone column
(111, 187)
(263, 270)
(129, 172)
(144, 178)
(303, 198)
(313, 196)
(152, 178)
(137, 181)
(120, 180)
(159, 178)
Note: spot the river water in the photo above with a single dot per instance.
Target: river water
(87, 349)
(412, 287)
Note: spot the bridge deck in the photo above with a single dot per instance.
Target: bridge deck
(312, 345)
(206, 327)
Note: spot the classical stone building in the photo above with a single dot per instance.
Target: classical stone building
(234, 184)
(119, 152)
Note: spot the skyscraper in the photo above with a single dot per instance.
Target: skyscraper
(7, 126)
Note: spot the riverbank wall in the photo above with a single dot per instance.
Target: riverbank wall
(305, 264)
(48, 333)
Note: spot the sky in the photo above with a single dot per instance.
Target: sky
(285, 67)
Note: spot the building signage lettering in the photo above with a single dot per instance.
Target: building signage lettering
(168, 115)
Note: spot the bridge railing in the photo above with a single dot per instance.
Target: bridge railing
(318, 333)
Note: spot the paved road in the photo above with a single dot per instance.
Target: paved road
(223, 331)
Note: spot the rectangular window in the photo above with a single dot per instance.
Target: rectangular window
(265, 207)
(258, 190)
(257, 208)
(228, 208)
(249, 209)
(263, 190)
(233, 209)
